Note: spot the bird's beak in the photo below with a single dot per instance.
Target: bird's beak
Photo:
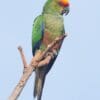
(65, 10)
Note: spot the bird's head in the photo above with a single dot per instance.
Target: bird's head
(57, 7)
(65, 6)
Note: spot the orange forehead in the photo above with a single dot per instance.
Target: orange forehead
(64, 2)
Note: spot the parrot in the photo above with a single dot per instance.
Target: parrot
(46, 28)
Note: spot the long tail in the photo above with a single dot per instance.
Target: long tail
(38, 87)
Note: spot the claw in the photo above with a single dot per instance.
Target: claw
(55, 52)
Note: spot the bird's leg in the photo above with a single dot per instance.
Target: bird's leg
(56, 49)
(55, 52)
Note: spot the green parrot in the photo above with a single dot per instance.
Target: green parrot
(46, 28)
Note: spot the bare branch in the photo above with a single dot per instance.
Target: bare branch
(39, 60)
(22, 56)
(18, 89)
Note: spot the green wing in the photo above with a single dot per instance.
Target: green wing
(37, 33)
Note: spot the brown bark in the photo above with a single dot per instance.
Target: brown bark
(39, 60)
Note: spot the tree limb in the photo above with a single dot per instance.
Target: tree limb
(39, 60)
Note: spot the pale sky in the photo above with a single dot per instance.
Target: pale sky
(75, 74)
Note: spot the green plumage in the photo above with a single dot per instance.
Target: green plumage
(37, 30)
(36, 36)
(53, 26)
(47, 27)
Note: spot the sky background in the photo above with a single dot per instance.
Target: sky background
(75, 74)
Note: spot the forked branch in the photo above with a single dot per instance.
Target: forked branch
(39, 60)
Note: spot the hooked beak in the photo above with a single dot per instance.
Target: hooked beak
(65, 11)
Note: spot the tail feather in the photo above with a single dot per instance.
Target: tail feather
(35, 86)
(38, 88)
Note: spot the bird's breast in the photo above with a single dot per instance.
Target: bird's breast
(54, 27)
(54, 24)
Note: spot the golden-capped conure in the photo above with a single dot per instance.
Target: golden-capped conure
(46, 28)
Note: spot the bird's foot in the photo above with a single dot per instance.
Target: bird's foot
(55, 52)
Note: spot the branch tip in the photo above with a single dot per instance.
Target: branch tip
(19, 48)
